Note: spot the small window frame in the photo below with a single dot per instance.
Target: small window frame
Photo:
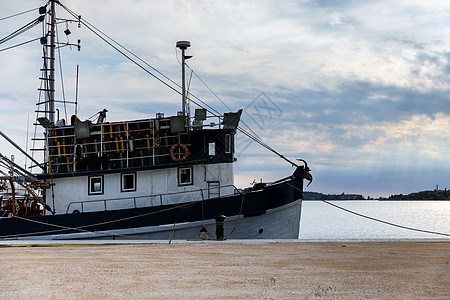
(180, 179)
(122, 182)
(228, 144)
(91, 187)
(212, 148)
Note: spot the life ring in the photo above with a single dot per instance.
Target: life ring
(182, 158)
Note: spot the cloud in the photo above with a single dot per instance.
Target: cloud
(338, 20)
(364, 96)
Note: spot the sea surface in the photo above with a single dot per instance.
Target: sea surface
(321, 221)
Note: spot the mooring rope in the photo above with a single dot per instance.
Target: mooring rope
(238, 218)
(372, 218)
(81, 228)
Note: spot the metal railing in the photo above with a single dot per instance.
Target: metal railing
(115, 142)
(159, 197)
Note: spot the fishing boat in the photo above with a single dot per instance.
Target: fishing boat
(161, 177)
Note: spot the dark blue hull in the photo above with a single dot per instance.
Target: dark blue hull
(251, 204)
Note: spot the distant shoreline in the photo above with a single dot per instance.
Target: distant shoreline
(411, 200)
(436, 195)
(383, 200)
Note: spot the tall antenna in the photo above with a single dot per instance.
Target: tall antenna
(183, 45)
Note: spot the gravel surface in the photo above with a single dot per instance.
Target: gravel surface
(340, 270)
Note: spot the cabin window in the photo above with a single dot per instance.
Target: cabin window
(212, 148)
(185, 176)
(95, 185)
(227, 143)
(128, 182)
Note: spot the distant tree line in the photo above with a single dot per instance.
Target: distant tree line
(343, 196)
(423, 195)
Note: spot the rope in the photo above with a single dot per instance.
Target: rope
(80, 228)
(22, 29)
(68, 228)
(99, 34)
(63, 90)
(239, 216)
(251, 135)
(210, 109)
(372, 218)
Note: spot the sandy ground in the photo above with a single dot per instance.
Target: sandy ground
(382, 270)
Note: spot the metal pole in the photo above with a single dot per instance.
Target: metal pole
(183, 45)
(51, 92)
(76, 92)
(183, 82)
(220, 223)
(20, 149)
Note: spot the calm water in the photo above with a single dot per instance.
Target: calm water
(322, 221)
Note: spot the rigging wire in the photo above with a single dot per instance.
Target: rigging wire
(81, 228)
(217, 96)
(22, 29)
(18, 14)
(251, 135)
(26, 141)
(204, 83)
(211, 109)
(21, 44)
(99, 33)
(61, 72)
(110, 41)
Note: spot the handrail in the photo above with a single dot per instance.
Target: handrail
(146, 196)
(111, 138)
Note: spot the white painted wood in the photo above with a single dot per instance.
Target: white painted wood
(69, 191)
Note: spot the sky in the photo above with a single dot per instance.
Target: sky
(359, 89)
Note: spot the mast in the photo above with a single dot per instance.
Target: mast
(51, 92)
(183, 45)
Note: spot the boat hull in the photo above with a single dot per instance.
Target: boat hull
(272, 212)
(279, 223)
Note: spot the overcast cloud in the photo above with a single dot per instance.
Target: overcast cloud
(361, 87)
